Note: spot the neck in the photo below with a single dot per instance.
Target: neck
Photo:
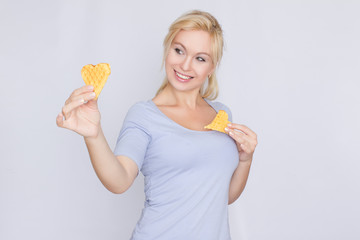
(189, 99)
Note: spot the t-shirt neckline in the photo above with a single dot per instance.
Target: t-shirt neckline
(177, 124)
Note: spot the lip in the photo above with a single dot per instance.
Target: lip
(180, 79)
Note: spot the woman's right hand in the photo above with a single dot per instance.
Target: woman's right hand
(80, 113)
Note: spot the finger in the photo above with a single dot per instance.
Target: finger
(238, 137)
(86, 97)
(79, 91)
(246, 142)
(228, 130)
(60, 120)
(243, 128)
(83, 89)
(76, 102)
(241, 140)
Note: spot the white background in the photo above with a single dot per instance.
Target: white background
(290, 72)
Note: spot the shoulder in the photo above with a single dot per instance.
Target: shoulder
(137, 109)
(140, 114)
(220, 106)
(136, 112)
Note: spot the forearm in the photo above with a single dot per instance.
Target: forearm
(238, 180)
(109, 170)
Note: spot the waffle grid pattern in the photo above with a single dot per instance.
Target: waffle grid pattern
(96, 75)
(220, 122)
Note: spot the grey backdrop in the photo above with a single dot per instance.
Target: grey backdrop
(290, 72)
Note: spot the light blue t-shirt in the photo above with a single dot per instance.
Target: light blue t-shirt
(186, 172)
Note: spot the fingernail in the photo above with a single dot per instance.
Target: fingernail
(90, 87)
(231, 133)
(93, 94)
(82, 100)
(229, 124)
(226, 129)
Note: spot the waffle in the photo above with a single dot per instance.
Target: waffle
(96, 75)
(220, 122)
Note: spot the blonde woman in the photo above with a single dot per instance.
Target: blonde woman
(191, 173)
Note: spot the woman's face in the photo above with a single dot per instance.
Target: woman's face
(189, 61)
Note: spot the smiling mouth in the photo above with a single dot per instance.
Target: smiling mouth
(182, 76)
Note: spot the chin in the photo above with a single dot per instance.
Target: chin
(183, 87)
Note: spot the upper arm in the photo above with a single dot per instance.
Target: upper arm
(130, 167)
(133, 140)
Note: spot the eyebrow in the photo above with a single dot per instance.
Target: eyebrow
(197, 53)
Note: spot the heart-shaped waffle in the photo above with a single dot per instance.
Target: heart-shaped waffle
(220, 122)
(96, 75)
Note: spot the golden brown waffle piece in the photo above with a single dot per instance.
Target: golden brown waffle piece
(96, 75)
(220, 122)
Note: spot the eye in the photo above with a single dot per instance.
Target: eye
(178, 51)
(200, 59)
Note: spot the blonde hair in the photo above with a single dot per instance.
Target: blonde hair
(198, 20)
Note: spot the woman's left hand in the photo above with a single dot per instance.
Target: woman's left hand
(245, 138)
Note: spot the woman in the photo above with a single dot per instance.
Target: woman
(191, 174)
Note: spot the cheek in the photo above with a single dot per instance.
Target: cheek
(203, 69)
(171, 58)
(168, 64)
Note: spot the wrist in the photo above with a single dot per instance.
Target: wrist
(94, 137)
(245, 161)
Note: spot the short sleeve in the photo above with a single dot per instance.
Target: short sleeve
(220, 106)
(133, 140)
(228, 111)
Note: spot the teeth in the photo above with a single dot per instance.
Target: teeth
(182, 76)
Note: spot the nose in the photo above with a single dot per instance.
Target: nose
(186, 64)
